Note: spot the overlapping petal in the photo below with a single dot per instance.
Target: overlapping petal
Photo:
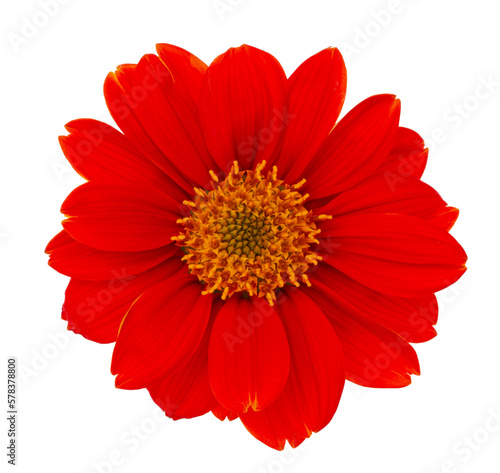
(222, 413)
(169, 115)
(186, 392)
(122, 98)
(99, 152)
(315, 382)
(374, 355)
(412, 318)
(114, 217)
(186, 69)
(447, 218)
(400, 255)
(376, 195)
(95, 309)
(241, 107)
(79, 261)
(407, 158)
(161, 331)
(315, 95)
(357, 146)
(249, 356)
(123, 95)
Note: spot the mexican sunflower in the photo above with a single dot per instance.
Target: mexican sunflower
(247, 250)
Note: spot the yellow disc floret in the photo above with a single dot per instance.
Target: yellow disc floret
(250, 233)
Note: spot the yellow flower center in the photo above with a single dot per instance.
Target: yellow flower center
(250, 233)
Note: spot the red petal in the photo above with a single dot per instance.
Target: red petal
(375, 195)
(95, 309)
(315, 382)
(120, 217)
(185, 67)
(399, 255)
(79, 261)
(186, 392)
(248, 355)
(407, 158)
(99, 152)
(271, 427)
(222, 413)
(161, 331)
(242, 105)
(169, 115)
(357, 146)
(316, 93)
(412, 318)
(122, 99)
(447, 218)
(374, 355)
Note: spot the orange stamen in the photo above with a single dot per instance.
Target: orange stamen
(250, 233)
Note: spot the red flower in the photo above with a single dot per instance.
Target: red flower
(246, 252)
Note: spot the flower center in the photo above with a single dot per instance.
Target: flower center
(250, 233)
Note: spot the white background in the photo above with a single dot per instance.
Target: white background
(433, 55)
